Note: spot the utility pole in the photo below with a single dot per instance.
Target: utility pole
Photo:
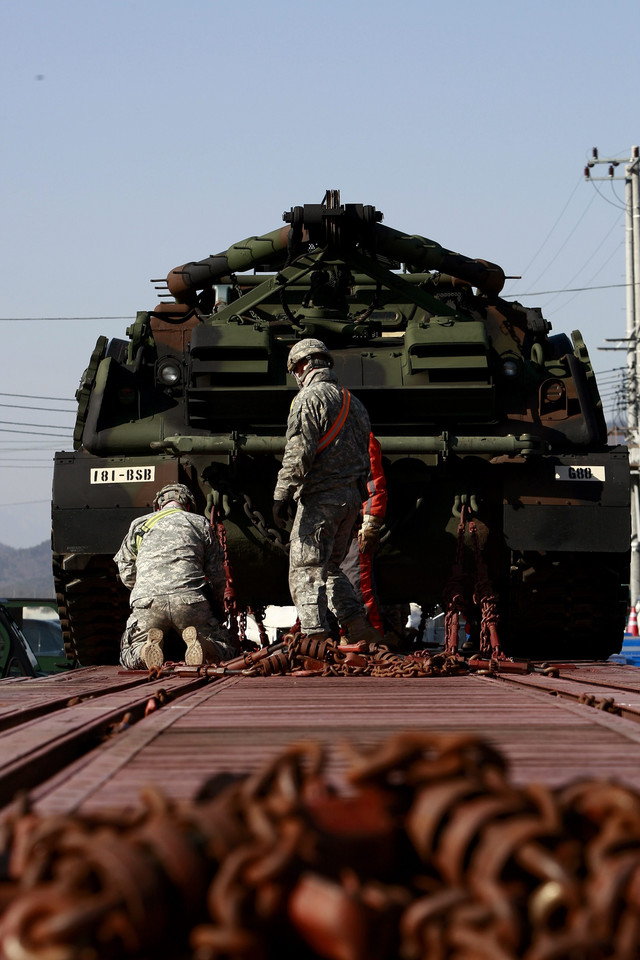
(632, 339)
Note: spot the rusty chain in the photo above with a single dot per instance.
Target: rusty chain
(235, 612)
(484, 595)
(432, 853)
(300, 655)
(607, 704)
(257, 519)
(454, 592)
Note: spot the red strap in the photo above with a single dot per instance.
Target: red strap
(367, 591)
(339, 423)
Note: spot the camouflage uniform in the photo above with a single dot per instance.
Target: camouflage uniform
(165, 569)
(329, 488)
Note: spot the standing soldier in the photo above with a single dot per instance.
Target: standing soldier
(170, 561)
(324, 468)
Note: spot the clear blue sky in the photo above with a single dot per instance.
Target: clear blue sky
(138, 134)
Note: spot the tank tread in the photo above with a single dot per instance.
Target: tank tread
(93, 609)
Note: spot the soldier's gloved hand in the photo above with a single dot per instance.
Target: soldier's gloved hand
(280, 513)
(369, 534)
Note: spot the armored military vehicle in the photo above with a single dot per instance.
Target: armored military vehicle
(477, 406)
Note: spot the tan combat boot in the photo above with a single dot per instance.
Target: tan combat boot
(199, 649)
(359, 630)
(152, 652)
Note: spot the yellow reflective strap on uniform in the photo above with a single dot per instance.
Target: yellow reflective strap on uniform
(151, 522)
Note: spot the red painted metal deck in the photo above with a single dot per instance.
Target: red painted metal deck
(58, 737)
(435, 853)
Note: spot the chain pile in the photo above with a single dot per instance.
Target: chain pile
(433, 854)
(302, 656)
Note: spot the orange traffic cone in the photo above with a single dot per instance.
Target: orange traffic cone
(632, 626)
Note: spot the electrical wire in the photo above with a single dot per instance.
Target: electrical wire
(9, 444)
(566, 241)
(601, 194)
(20, 423)
(549, 234)
(22, 406)
(544, 293)
(29, 396)
(621, 200)
(589, 259)
(56, 319)
(34, 432)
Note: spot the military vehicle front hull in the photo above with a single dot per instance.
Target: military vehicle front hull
(549, 536)
(476, 406)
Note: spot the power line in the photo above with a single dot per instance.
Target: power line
(28, 396)
(620, 199)
(601, 194)
(563, 245)
(558, 219)
(21, 406)
(544, 293)
(25, 445)
(571, 299)
(598, 249)
(34, 432)
(56, 319)
(19, 423)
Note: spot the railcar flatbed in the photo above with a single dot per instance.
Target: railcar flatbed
(64, 737)
(134, 837)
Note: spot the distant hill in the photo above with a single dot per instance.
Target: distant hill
(27, 572)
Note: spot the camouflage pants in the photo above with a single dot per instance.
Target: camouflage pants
(320, 538)
(166, 613)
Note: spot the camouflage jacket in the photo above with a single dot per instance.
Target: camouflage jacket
(170, 552)
(344, 462)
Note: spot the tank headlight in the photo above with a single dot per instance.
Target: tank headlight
(510, 369)
(169, 373)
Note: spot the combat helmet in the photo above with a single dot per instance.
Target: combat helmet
(174, 491)
(307, 350)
